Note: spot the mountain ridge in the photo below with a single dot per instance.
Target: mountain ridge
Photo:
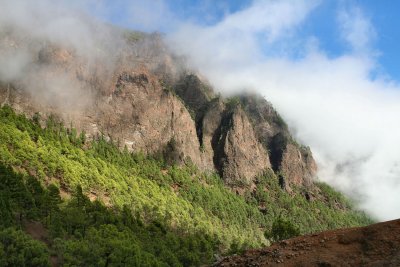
(148, 107)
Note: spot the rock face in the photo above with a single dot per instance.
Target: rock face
(226, 135)
(209, 130)
(293, 162)
(239, 155)
(194, 92)
(298, 165)
(374, 245)
(148, 118)
(141, 98)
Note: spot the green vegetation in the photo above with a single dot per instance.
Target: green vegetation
(85, 233)
(154, 214)
(282, 229)
(133, 36)
(19, 249)
(232, 102)
(329, 209)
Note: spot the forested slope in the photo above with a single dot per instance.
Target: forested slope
(103, 206)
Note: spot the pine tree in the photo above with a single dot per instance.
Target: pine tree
(38, 193)
(51, 201)
(5, 211)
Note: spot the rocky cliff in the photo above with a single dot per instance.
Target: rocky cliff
(292, 161)
(144, 98)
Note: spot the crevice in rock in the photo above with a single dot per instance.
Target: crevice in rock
(196, 97)
(218, 142)
(277, 146)
(199, 121)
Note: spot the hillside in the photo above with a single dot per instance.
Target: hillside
(181, 201)
(374, 245)
(119, 148)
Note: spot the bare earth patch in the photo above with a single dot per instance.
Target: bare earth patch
(374, 245)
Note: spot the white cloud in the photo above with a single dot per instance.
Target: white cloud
(349, 120)
(356, 29)
(236, 40)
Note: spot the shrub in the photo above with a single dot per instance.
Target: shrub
(282, 229)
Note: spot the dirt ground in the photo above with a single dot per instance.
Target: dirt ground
(374, 245)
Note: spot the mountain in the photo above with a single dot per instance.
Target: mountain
(148, 102)
(119, 147)
(374, 245)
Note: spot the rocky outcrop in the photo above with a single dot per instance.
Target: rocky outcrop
(209, 130)
(294, 163)
(138, 114)
(195, 93)
(240, 157)
(148, 118)
(140, 98)
(225, 133)
(298, 165)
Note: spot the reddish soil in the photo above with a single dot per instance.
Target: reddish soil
(374, 245)
(37, 231)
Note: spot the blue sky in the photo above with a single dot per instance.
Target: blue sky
(321, 22)
(384, 18)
